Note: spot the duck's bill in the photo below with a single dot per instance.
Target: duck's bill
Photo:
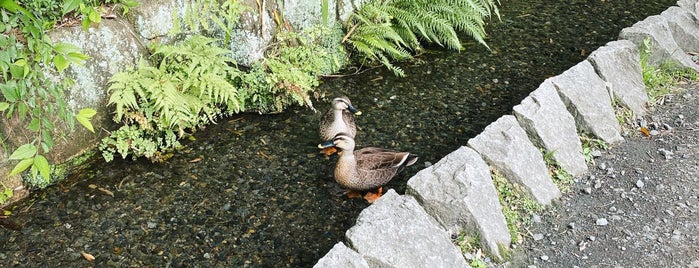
(354, 110)
(326, 144)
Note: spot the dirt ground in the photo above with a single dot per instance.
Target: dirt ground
(638, 206)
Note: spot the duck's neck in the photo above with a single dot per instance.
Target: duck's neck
(346, 170)
(339, 120)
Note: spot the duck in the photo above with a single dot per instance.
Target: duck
(338, 119)
(367, 169)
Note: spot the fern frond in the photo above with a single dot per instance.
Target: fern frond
(122, 94)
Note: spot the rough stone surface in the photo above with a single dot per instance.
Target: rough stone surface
(663, 45)
(112, 48)
(544, 117)
(684, 28)
(302, 14)
(505, 145)
(153, 19)
(341, 256)
(345, 8)
(619, 64)
(396, 232)
(689, 5)
(587, 99)
(459, 192)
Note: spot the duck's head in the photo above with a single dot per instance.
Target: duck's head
(341, 140)
(344, 103)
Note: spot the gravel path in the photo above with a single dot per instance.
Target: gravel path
(638, 208)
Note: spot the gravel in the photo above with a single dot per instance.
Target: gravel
(645, 212)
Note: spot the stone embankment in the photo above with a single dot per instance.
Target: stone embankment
(457, 194)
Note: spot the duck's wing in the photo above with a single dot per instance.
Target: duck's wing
(378, 166)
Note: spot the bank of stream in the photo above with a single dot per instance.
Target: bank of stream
(253, 191)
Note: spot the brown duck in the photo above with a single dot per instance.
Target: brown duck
(366, 169)
(337, 120)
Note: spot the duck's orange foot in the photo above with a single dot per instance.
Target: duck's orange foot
(329, 151)
(371, 197)
(353, 194)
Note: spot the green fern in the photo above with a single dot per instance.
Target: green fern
(190, 87)
(385, 30)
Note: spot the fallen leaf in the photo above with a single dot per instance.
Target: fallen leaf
(105, 191)
(92, 186)
(645, 132)
(87, 256)
(265, 155)
(195, 160)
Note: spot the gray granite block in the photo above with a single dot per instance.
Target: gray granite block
(663, 46)
(684, 28)
(504, 145)
(341, 256)
(690, 5)
(587, 99)
(619, 64)
(544, 117)
(396, 231)
(459, 192)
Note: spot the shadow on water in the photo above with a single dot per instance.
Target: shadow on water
(253, 190)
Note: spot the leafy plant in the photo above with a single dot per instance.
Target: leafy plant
(560, 176)
(298, 59)
(516, 206)
(5, 194)
(386, 30)
(589, 145)
(26, 92)
(210, 16)
(190, 86)
(659, 80)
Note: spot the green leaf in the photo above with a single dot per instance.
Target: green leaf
(77, 58)
(95, 16)
(4, 106)
(60, 62)
(70, 5)
(85, 23)
(35, 125)
(24, 151)
(84, 116)
(65, 48)
(87, 112)
(9, 91)
(22, 166)
(42, 165)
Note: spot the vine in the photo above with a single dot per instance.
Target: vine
(27, 94)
